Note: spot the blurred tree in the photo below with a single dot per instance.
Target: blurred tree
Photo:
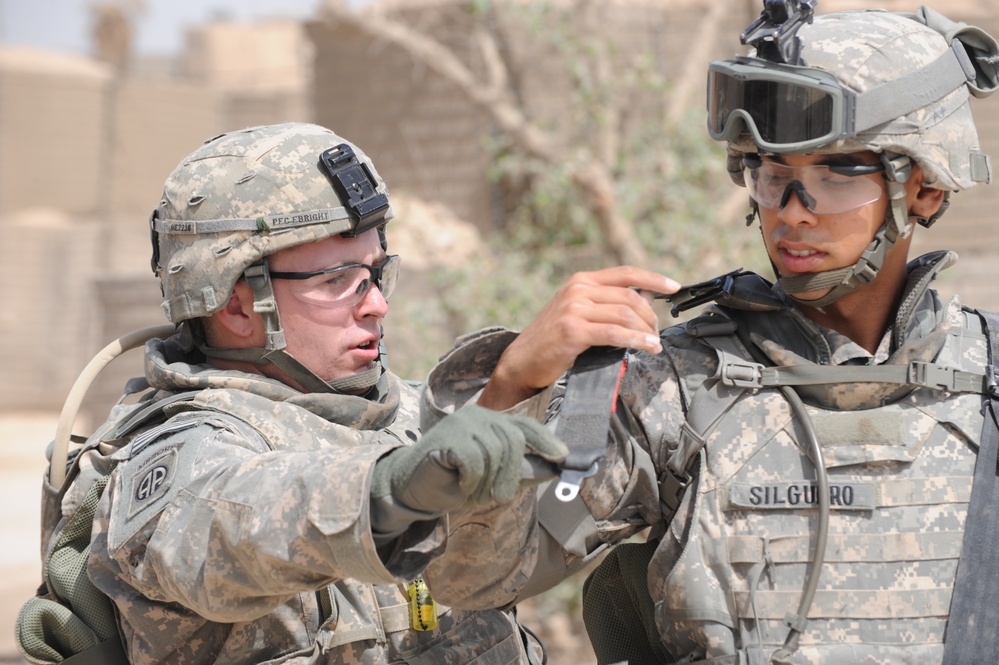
(620, 171)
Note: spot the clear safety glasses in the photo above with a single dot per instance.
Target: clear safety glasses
(824, 189)
(784, 108)
(343, 286)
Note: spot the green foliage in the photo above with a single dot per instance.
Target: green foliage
(669, 177)
(669, 184)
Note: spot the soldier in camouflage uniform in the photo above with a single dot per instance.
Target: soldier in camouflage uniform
(802, 452)
(268, 500)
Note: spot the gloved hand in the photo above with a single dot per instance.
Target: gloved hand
(476, 455)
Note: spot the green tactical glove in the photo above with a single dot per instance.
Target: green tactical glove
(475, 455)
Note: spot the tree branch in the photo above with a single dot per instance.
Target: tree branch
(587, 172)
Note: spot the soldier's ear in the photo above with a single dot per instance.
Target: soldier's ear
(924, 201)
(236, 323)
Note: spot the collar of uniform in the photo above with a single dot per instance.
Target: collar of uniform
(172, 365)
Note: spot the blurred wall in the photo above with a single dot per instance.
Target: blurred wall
(84, 152)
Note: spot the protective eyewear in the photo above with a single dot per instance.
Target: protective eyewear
(823, 189)
(343, 286)
(784, 108)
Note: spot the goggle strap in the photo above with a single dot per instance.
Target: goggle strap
(911, 92)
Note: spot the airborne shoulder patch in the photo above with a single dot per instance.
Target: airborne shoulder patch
(151, 480)
(161, 461)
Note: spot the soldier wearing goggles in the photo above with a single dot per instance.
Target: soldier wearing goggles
(848, 380)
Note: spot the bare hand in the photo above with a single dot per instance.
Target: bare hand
(600, 308)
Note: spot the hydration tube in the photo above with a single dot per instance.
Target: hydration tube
(797, 623)
(64, 427)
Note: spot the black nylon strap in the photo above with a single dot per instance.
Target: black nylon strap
(973, 627)
(584, 421)
(108, 652)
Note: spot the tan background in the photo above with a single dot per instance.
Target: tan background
(84, 149)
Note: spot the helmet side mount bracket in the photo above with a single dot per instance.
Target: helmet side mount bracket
(773, 32)
(356, 187)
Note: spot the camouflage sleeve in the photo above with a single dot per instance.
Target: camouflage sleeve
(462, 373)
(490, 550)
(204, 517)
(500, 555)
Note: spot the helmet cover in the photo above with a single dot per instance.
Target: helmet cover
(245, 195)
(866, 49)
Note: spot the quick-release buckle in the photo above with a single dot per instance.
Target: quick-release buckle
(154, 237)
(717, 288)
(672, 488)
(990, 381)
(354, 184)
(741, 374)
(930, 375)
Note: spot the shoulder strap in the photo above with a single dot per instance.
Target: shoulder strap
(973, 627)
(710, 402)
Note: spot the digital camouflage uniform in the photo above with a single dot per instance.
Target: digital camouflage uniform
(731, 565)
(900, 464)
(238, 530)
(238, 524)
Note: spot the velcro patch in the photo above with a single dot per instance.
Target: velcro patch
(160, 432)
(800, 495)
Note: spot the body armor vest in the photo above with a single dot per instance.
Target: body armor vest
(732, 566)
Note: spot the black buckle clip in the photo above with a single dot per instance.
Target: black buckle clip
(671, 489)
(991, 384)
(697, 294)
(154, 237)
(354, 184)
(774, 32)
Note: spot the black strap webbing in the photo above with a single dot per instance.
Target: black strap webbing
(973, 627)
(590, 396)
(108, 652)
(584, 426)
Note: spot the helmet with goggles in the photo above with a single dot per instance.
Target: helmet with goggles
(896, 84)
(245, 195)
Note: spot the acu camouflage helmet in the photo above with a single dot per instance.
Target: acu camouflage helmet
(897, 84)
(921, 66)
(247, 194)
(243, 196)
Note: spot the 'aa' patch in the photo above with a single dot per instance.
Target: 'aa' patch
(152, 481)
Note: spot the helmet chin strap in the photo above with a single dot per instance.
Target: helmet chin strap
(843, 280)
(274, 353)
